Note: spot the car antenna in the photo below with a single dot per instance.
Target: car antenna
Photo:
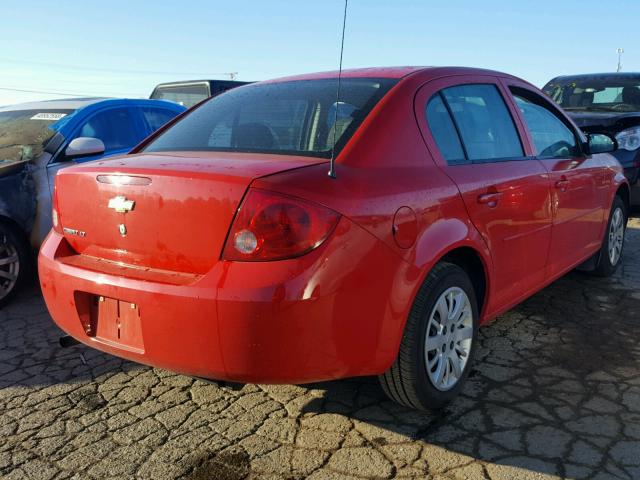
(332, 168)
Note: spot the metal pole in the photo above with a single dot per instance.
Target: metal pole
(620, 52)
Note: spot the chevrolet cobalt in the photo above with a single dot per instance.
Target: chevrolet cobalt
(221, 248)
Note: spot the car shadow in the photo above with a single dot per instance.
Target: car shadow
(554, 388)
(551, 390)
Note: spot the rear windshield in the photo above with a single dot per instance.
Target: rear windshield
(25, 133)
(295, 118)
(187, 95)
(615, 93)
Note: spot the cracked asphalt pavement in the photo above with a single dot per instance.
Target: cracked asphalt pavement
(554, 393)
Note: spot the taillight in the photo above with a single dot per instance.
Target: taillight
(55, 212)
(271, 226)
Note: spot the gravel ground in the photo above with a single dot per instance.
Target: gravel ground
(554, 393)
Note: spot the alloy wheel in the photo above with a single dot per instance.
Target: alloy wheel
(9, 266)
(448, 339)
(616, 236)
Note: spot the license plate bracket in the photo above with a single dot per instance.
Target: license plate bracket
(117, 322)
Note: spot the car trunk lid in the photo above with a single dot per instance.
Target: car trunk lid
(160, 211)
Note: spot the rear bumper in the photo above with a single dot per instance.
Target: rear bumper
(336, 312)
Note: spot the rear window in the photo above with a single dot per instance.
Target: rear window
(187, 95)
(295, 118)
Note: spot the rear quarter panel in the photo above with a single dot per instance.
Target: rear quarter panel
(384, 167)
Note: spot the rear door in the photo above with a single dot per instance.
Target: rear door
(472, 134)
(578, 181)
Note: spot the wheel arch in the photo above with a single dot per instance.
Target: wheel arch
(397, 380)
(18, 230)
(11, 229)
(460, 243)
(15, 226)
(624, 192)
(472, 262)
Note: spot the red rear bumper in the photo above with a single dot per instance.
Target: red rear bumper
(336, 312)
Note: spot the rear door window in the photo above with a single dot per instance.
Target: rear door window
(551, 137)
(157, 117)
(115, 127)
(484, 122)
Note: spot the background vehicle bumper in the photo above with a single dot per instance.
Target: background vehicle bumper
(336, 312)
(632, 174)
(635, 195)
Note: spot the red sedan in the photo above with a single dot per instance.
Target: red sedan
(221, 248)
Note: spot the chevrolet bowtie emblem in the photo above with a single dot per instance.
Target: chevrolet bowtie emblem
(121, 204)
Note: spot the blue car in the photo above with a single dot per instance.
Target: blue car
(36, 140)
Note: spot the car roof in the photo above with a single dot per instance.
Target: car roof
(59, 104)
(193, 82)
(93, 102)
(392, 72)
(586, 76)
(83, 108)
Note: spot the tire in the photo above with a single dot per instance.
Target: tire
(610, 255)
(14, 262)
(412, 380)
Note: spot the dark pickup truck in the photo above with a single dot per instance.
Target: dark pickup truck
(190, 92)
(606, 103)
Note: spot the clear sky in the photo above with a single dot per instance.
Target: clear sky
(125, 47)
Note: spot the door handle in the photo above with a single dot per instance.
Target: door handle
(489, 199)
(562, 184)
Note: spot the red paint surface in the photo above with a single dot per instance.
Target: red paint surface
(340, 309)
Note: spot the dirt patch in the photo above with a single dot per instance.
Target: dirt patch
(230, 464)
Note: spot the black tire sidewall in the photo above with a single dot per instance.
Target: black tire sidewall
(604, 267)
(16, 239)
(429, 395)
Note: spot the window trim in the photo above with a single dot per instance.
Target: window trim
(469, 161)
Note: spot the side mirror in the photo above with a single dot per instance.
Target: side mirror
(601, 143)
(83, 147)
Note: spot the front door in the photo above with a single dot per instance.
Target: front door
(119, 128)
(577, 181)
